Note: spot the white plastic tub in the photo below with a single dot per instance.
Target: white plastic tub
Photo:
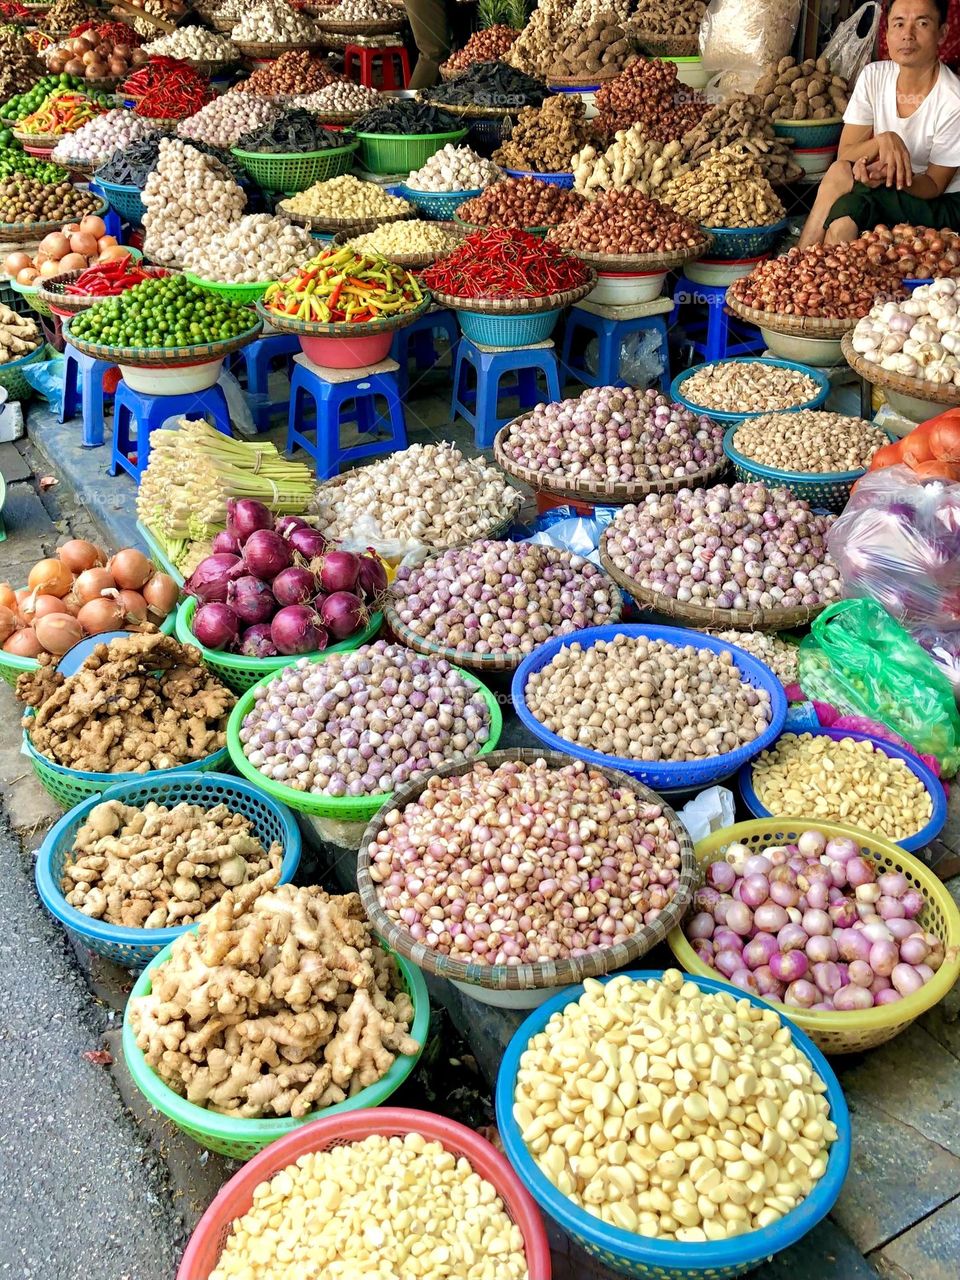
(178, 381)
(617, 289)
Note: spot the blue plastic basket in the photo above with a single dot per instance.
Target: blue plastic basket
(271, 821)
(829, 490)
(635, 1255)
(124, 200)
(439, 206)
(507, 331)
(916, 766)
(552, 179)
(820, 378)
(808, 135)
(743, 242)
(660, 775)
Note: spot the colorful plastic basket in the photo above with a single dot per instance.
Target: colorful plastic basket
(507, 331)
(866, 1028)
(635, 1255)
(810, 134)
(235, 1199)
(816, 375)
(239, 673)
(828, 489)
(916, 766)
(295, 172)
(133, 948)
(124, 200)
(402, 152)
(12, 666)
(439, 206)
(660, 775)
(11, 374)
(343, 808)
(242, 1138)
(743, 242)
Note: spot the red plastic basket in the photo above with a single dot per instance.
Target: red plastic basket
(206, 1243)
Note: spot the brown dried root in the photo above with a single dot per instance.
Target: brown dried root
(281, 1003)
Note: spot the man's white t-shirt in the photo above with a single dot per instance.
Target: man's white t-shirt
(931, 134)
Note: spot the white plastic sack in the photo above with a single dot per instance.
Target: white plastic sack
(751, 34)
(851, 45)
(240, 416)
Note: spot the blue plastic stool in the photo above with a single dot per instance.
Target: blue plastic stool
(481, 407)
(257, 359)
(417, 340)
(721, 336)
(610, 335)
(337, 402)
(83, 390)
(111, 219)
(145, 412)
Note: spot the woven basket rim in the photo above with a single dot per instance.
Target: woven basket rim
(316, 222)
(38, 139)
(811, 326)
(449, 135)
(942, 393)
(79, 302)
(158, 357)
(382, 27)
(552, 973)
(444, 195)
(472, 661)
(411, 261)
(597, 491)
(209, 66)
(483, 226)
(642, 261)
(471, 111)
(341, 329)
(519, 306)
(666, 46)
(808, 124)
(40, 229)
(585, 82)
(700, 616)
(270, 48)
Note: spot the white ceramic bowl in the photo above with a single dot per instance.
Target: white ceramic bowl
(821, 352)
(912, 407)
(719, 273)
(529, 999)
(614, 289)
(172, 382)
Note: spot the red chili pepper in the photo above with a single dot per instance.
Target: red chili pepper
(504, 263)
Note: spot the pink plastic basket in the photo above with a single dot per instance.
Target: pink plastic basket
(206, 1243)
(347, 353)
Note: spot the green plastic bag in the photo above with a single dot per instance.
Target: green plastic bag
(860, 660)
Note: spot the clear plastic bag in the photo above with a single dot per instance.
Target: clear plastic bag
(898, 542)
(565, 528)
(641, 362)
(747, 33)
(850, 47)
(859, 660)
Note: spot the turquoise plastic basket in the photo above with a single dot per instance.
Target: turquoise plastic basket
(507, 331)
(630, 1254)
(124, 200)
(829, 490)
(743, 242)
(564, 180)
(11, 374)
(807, 135)
(816, 375)
(271, 823)
(439, 206)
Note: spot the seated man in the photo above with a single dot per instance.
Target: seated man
(899, 150)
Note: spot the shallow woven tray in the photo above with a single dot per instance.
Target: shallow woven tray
(210, 66)
(341, 329)
(639, 262)
(945, 393)
(518, 306)
(38, 139)
(83, 167)
(662, 46)
(597, 492)
(703, 617)
(352, 226)
(472, 111)
(37, 230)
(586, 82)
(384, 27)
(336, 117)
(549, 973)
(223, 25)
(266, 49)
(53, 292)
(412, 261)
(163, 357)
(811, 326)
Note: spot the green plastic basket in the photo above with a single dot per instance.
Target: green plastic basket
(157, 553)
(402, 152)
(235, 292)
(11, 374)
(292, 173)
(243, 1138)
(342, 808)
(239, 673)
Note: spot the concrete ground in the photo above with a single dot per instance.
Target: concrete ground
(93, 1184)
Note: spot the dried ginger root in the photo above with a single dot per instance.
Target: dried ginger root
(154, 867)
(282, 1002)
(118, 715)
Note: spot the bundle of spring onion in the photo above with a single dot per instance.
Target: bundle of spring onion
(194, 470)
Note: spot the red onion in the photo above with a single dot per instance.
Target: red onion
(701, 925)
(851, 998)
(342, 614)
(226, 543)
(215, 625)
(265, 554)
(821, 950)
(727, 962)
(296, 629)
(754, 889)
(890, 996)
(307, 542)
(757, 865)
(704, 949)
(893, 884)
(720, 875)
(860, 973)
(812, 843)
(816, 922)
(339, 571)
(827, 977)
(255, 642)
(758, 950)
(860, 872)
(784, 892)
(245, 515)
(251, 599)
(739, 918)
(726, 940)
(913, 950)
(770, 918)
(745, 980)
(285, 525)
(787, 966)
(372, 578)
(852, 944)
(839, 848)
(791, 938)
(295, 585)
(210, 579)
(801, 994)
(912, 902)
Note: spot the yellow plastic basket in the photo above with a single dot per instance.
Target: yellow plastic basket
(867, 1028)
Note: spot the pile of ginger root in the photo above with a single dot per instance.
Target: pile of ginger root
(157, 867)
(282, 1002)
(138, 703)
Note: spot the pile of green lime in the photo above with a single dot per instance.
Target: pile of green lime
(13, 159)
(23, 104)
(167, 312)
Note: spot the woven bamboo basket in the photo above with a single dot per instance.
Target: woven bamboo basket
(210, 67)
(805, 326)
(163, 357)
(633, 262)
(518, 306)
(917, 388)
(53, 292)
(474, 111)
(411, 261)
(351, 226)
(599, 492)
(264, 50)
(37, 230)
(659, 45)
(705, 617)
(479, 662)
(85, 168)
(385, 27)
(38, 139)
(223, 25)
(548, 974)
(341, 329)
(587, 82)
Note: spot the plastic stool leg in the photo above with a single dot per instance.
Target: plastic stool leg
(551, 373)
(715, 345)
(528, 392)
(608, 355)
(659, 323)
(488, 400)
(388, 70)
(404, 67)
(119, 456)
(91, 404)
(568, 332)
(71, 398)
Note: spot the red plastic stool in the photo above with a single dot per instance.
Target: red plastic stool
(390, 56)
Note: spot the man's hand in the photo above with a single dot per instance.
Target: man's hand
(872, 173)
(895, 158)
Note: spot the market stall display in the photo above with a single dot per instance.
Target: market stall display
(631, 161)
(743, 124)
(241, 260)
(451, 176)
(487, 45)
(224, 120)
(520, 202)
(106, 52)
(407, 244)
(266, 30)
(207, 50)
(345, 203)
(744, 388)
(167, 89)
(777, 654)
(648, 93)
(21, 343)
(20, 105)
(66, 250)
(339, 100)
(402, 135)
(292, 151)
(545, 139)
(174, 216)
(297, 71)
(668, 30)
(732, 201)
(96, 141)
(596, 53)
(39, 208)
(921, 253)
